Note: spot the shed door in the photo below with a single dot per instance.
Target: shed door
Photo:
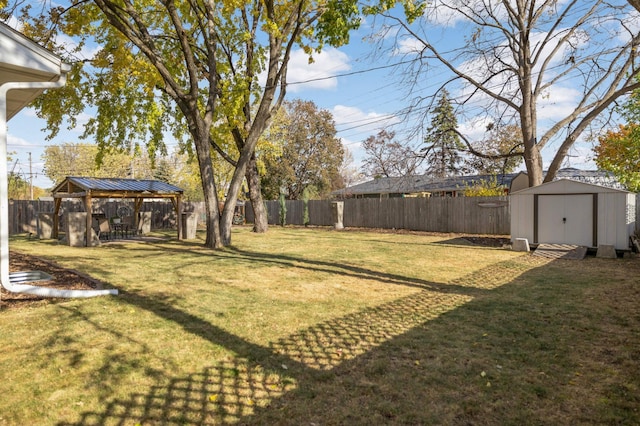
(565, 219)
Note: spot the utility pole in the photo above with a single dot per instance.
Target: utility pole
(30, 179)
(132, 152)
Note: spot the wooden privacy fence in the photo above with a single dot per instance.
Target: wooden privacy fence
(23, 214)
(473, 215)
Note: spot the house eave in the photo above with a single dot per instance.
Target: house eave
(24, 61)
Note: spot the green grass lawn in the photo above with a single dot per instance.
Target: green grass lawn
(314, 326)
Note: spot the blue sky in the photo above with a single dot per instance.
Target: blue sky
(362, 101)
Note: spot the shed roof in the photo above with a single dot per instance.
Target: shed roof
(114, 187)
(595, 177)
(568, 186)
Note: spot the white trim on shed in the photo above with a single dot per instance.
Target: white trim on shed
(571, 212)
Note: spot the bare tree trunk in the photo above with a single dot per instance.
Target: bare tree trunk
(533, 161)
(260, 221)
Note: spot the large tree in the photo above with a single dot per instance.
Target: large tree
(185, 68)
(511, 57)
(386, 157)
(80, 159)
(310, 156)
(443, 147)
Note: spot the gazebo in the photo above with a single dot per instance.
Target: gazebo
(88, 188)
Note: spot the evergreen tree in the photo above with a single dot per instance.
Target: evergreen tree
(442, 144)
(163, 171)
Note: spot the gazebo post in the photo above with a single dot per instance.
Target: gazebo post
(179, 216)
(137, 206)
(56, 217)
(88, 208)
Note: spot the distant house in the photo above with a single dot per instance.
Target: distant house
(420, 186)
(427, 186)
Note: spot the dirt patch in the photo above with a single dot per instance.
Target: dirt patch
(64, 279)
(478, 240)
(488, 241)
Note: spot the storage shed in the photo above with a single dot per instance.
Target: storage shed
(571, 212)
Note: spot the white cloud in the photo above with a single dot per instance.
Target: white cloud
(355, 125)
(558, 102)
(631, 27)
(475, 129)
(81, 121)
(347, 118)
(70, 45)
(14, 141)
(409, 46)
(320, 74)
(448, 13)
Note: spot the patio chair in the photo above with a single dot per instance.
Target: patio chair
(104, 229)
(131, 226)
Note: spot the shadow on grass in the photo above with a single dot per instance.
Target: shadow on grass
(257, 376)
(488, 278)
(525, 347)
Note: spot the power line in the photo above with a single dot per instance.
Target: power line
(347, 74)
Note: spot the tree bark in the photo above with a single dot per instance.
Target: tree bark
(260, 222)
(203, 149)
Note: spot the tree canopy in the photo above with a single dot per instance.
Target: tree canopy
(309, 155)
(386, 157)
(79, 159)
(498, 152)
(619, 152)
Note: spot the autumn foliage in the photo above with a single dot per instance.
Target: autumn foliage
(619, 153)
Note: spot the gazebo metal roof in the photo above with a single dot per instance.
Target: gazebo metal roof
(115, 187)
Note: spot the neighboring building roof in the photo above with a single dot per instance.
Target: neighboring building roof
(425, 183)
(110, 185)
(421, 183)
